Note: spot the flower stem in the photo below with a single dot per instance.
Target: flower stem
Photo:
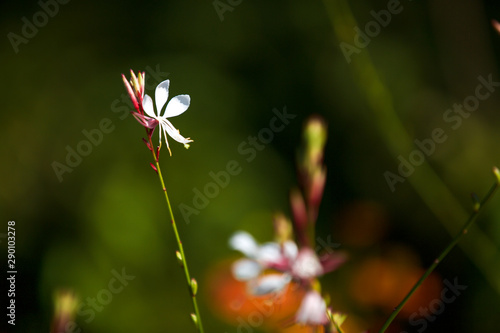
(478, 207)
(337, 327)
(192, 290)
(335, 324)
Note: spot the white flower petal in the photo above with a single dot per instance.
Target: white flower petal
(270, 253)
(312, 310)
(174, 132)
(245, 269)
(269, 283)
(307, 265)
(147, 105)
(161, 95)
(290, 250)
(177, 105)
(245, 243)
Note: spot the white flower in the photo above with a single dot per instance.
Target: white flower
(175, 107)
(306, 265)
(245, 243)
(269, 283)
(312, 310)
(266, 254)
(290, 263)
(261, 257)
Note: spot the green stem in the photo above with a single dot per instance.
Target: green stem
(478, 207)
(337, 327)
(334, 322)
(179, 242)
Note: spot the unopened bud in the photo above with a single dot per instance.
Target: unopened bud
(194, 287)
(338, 318)
(283, 230)
(317, 186)
(178, 255)
(496, 172)
(65, 305)
(194, 319)
(315, 138)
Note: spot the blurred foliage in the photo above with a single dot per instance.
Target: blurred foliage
(108, 213)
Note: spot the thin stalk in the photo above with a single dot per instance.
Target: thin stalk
(179, 242)
(478, 207)
(337, 327)
(333, 321)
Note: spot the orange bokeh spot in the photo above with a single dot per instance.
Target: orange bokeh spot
(383, 283)
(231, 301)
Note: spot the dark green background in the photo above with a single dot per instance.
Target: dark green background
(109, 213)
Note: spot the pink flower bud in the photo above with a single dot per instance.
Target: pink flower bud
(299, 215)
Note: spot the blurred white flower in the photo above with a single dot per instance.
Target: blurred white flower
(290, 263)
(269, 283)
(312, 310)
(302, 265)
(259, 258)
(306, 265)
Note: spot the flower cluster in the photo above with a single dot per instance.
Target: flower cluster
(289, 260)
(145, 112)
(290, 263)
